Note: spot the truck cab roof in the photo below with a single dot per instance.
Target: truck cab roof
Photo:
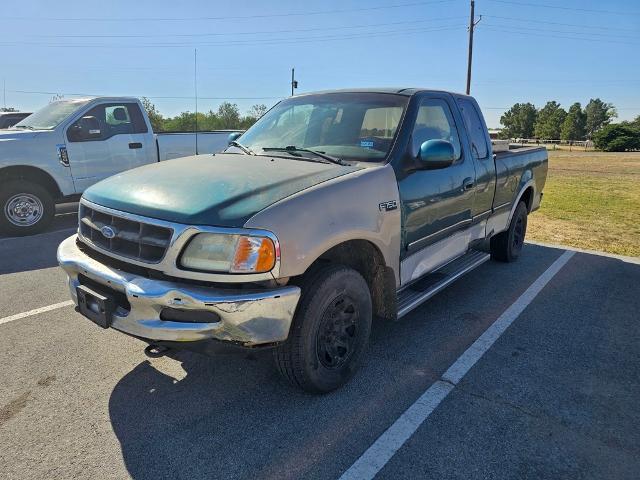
(407, 91)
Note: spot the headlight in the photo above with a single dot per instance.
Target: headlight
(216, 252)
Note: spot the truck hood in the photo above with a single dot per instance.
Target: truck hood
(28, 147)
(218, 190)
(8, 135)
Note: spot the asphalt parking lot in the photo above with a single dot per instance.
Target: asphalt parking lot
(555, 396)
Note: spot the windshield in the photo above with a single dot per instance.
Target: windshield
(348, 126)
(51, 116)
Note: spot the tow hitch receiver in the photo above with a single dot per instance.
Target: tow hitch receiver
(156, 351)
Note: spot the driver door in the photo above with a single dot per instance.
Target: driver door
(436, 203)
(117, 139)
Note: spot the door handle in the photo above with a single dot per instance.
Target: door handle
(467, 184)
(135, 145)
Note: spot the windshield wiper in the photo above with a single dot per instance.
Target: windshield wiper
(293, 149)
(246, 150)
(29, 127)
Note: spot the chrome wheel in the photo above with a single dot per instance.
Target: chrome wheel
(24, 210)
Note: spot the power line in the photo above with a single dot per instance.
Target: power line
(187, 97)
(271, 41)
(236, 17)
(253, 32)
(595, 34)
(501, 28)
(598, 27)
(541, 5)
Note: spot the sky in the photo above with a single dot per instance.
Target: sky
(524, 50)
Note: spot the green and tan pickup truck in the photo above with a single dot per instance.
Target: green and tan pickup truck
(334, 208)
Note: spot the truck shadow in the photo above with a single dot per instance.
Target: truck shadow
(225, 415)
(21, 254)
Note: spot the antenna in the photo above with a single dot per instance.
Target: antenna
(195, 90)
(4, 92)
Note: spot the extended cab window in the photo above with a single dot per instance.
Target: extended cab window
(435, 122)
(107, 120)
(475, 128)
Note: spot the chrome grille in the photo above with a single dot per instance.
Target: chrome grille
(129, 238)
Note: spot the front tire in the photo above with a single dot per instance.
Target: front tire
(27, 208)
(506, 246)
(330, 330)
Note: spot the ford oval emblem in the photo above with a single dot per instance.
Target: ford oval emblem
(108, 232)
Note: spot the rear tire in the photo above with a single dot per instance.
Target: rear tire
(27, 208)
(506, 246)
(330, 330)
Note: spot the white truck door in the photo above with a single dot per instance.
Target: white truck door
(108, 139)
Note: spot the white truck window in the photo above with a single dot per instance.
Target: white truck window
(107, 120)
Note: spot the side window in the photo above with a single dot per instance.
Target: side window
(107, 120)
(474, 127)
(435, 122)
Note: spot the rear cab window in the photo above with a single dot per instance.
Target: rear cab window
(475, 127)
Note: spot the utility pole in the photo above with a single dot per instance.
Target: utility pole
(294, 82)
(4, 92)
(472, 24)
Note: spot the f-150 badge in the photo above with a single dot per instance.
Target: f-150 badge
(388, 206)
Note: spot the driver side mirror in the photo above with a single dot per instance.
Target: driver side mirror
(233, 137)
(436, 154)
(87, 128)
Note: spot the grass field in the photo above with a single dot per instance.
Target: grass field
(591, 201)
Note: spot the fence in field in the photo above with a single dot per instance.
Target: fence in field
(584, 144)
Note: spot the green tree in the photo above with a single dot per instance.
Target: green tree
(185, 122)
(7, 109)
(519, 121)
(550, 120)
(599, 114)
(619, 137)
(256, 111)
(228, 115)
(573, 127)
(156, 119)
(252, 116)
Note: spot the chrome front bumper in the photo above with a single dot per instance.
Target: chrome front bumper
(250, 317)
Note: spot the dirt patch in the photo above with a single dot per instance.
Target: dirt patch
(13, 408)
(46, 381)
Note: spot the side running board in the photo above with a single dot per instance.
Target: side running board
(422, 290)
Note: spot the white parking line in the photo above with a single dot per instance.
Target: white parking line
(378, 454)
(36, 311)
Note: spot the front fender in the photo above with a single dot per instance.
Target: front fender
(363, 205)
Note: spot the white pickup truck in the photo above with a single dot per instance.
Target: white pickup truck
(54, 154)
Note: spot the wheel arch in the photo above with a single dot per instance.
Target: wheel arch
(526, 192)
(367, 259)
(31, 174)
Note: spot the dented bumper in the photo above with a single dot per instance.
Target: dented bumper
(249, 317)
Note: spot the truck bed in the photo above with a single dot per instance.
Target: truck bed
(183, 144)
(518, 150)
